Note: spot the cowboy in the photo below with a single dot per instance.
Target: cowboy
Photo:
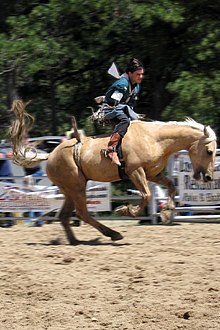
(120, 100)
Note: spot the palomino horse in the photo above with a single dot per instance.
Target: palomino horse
(146, 149)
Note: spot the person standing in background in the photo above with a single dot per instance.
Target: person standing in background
(6, 175)
(32, 176)
(5, 165)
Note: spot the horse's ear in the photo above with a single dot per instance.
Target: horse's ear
(206, 131)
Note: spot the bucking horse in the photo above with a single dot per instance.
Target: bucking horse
(146, 148)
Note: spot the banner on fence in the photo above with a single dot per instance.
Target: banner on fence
(21, 198)
(98, 196)
(192, 192)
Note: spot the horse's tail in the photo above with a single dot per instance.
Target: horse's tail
(24, 155)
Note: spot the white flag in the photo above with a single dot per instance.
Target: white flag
(113, 71)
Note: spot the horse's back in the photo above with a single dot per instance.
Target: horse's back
(86, 157)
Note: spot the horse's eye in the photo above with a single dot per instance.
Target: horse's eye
(209, 152)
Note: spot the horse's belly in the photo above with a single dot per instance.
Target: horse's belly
(101, 172)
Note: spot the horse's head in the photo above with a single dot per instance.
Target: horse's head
(202, 154)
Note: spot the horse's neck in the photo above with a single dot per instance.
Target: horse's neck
(175, 138)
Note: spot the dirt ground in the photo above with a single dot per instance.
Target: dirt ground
(157, 277)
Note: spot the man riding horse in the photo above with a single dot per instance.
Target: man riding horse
(119, 102)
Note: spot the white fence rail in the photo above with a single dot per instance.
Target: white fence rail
(183, 213)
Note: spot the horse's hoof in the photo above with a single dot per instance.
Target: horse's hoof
(74, 242)
(116, 237)
(166, 217)
(121, 210)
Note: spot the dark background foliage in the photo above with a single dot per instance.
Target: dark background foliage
(57, 54)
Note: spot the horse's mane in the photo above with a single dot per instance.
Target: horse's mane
(187, 122)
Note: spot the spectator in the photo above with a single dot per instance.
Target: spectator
(34, 172)
(31, 177)
(6, 171)
(5, 165)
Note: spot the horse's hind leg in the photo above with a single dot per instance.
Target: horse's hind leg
(64, 216)
(82, 213)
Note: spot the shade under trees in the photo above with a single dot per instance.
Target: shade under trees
(57, 54)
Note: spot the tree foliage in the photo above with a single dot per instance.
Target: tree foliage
(57, 54)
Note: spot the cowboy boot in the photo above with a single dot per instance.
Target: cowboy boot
(114, 140)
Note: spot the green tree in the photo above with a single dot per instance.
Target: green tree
(195, 86)
(57, 54)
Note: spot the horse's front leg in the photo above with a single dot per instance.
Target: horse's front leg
(167, 212)
(138, 177)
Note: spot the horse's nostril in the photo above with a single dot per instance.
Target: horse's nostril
(208, 178)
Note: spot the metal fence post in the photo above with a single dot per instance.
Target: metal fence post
(153, 205)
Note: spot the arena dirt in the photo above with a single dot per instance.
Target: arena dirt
(156, 278)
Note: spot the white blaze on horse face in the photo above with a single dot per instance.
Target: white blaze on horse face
(202, 156)
(211, 151)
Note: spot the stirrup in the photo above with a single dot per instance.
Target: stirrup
(105, 152)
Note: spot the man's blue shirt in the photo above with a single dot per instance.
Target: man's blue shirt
(124, 86)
